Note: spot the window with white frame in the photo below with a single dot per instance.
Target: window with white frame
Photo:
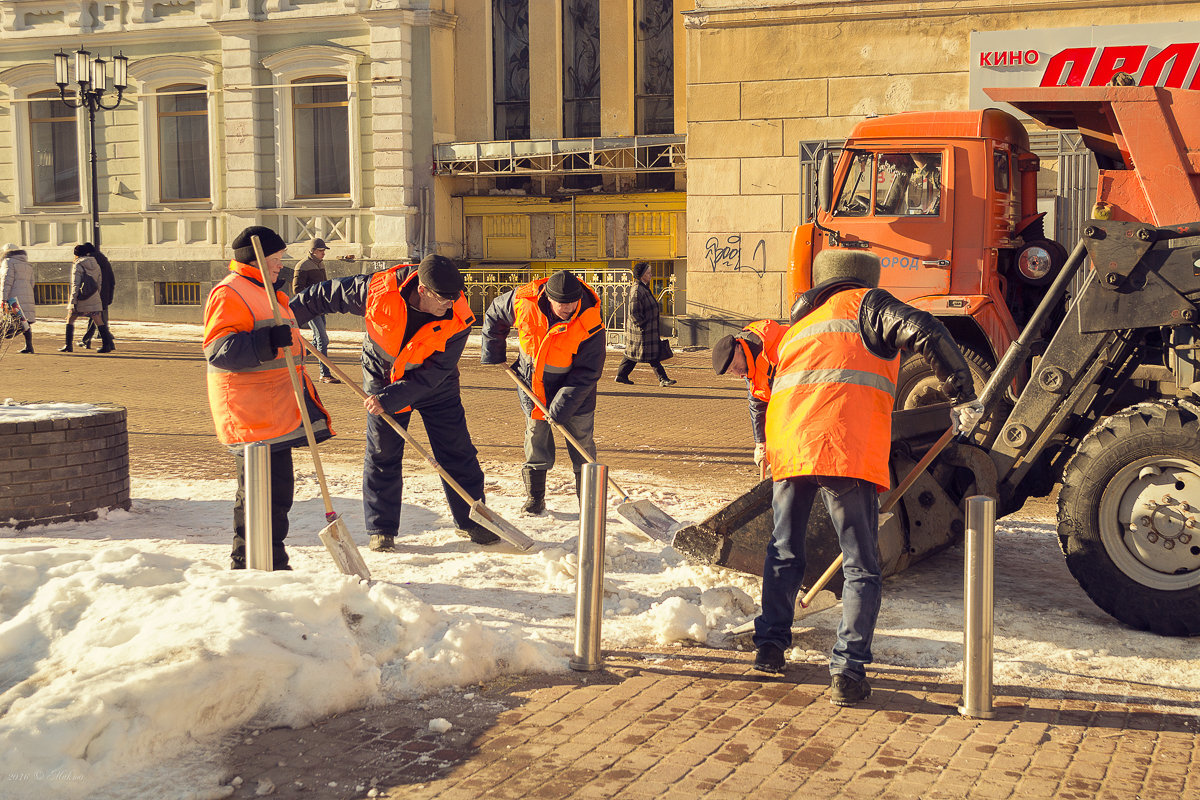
(317, 147)
(54, 160)
(321, 136)
(183, 156)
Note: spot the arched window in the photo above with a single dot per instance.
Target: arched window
(54, 150)
(183, 168)
(321, 136)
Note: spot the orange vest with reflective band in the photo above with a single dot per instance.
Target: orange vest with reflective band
(551, 348)
(257, 404)
(761, 369)
(831, 404)
(387, 319)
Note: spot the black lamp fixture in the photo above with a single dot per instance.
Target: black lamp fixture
(91, 83)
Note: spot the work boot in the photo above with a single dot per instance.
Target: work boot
(477, 533)
(846, 691)
(382, 543)
(535, 486)
(106, 340)
(770, 658)
(28, 348)
(67, 348)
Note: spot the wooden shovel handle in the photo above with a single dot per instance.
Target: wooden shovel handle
(390, 420)
(261, 260)
(524, 387)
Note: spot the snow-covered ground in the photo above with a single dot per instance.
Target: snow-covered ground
(126, 643)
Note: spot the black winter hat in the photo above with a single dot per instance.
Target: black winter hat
(85, 249)
(861, 265)
(243, 250)
(723, 354)
(440, 275)
(564, 287)
(639, 269)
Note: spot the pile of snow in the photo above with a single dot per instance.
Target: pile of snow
(125, 641)
(12, 411)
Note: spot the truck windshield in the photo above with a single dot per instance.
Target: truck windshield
(905, 185)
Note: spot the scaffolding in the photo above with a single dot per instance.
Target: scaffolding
(559, 156)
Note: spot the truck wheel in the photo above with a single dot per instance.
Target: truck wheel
(1129, 517)
(917, 386)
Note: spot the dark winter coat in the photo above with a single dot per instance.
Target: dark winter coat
(108, 280)
(309, 273)
(641, 326)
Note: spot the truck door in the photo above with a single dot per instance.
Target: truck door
(899, 203)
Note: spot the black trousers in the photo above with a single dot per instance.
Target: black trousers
(627, 365)
(283, 486)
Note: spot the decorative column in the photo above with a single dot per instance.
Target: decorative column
(617, 56)
(545, 69)
(249, 172)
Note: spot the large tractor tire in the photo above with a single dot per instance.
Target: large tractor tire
(917, 386)
(1129, 517)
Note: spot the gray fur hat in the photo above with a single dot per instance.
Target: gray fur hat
(860, 265)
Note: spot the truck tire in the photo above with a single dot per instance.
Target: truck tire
(917, 386)
(1129, 517)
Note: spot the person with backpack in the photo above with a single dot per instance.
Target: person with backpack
(16, 283)
(85, 298)
(107, 284)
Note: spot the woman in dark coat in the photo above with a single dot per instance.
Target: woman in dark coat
(642, 339)
(108, 283)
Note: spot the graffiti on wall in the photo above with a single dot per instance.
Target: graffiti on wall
(728, 254)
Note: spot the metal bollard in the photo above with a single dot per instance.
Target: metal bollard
(977, 608)
(258, 507)
(589, 583)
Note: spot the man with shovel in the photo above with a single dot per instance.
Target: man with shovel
(753, 354)
(417, 321)
(249, 390)
(829, 425)
(561, 357)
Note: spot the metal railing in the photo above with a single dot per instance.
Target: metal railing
(51, 294)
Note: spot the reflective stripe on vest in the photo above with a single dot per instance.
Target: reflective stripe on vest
(551, 348)
(387, 320)
(256, 404)
(830, 411)
(761, 369)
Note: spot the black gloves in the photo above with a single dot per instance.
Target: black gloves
(281, 336)
(269, 341)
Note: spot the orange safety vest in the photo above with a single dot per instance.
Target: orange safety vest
(257, 404)
(760, 370)
(831, 408)
(387, 319)
(551, 348)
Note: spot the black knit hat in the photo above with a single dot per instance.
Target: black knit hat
(723, 354)
(85, 249)
(440, 275)
(639, 269)
(243, 250)
(564, 287)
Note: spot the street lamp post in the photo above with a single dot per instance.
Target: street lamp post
(91, 79)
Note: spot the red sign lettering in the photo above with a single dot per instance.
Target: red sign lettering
(1012, 58)
(1091, 66)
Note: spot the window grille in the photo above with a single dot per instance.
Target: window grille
(51, 294)
(177, 294)
(510, 68)
(655, 67)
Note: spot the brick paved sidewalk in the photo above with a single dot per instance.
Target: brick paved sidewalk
(697, 723)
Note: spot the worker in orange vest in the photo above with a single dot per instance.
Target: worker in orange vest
(418, 321)
(753, 354)
(562, 348)
(829, 432)
(249, 390)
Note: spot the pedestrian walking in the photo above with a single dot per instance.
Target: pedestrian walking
(16, 283)
(643, 342)
(753, 354)
(85, 298)
(250, 392)
(108, 283)
(829, 432)
(561, 358)
(311, 272)
(418, 321)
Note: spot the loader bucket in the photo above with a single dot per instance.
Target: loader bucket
(928, 518)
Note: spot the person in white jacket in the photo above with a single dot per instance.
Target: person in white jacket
(16, 283)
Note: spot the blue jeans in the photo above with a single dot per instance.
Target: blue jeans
(854, 509)
(320, 339)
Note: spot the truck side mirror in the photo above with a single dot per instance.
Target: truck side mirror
(825, 182)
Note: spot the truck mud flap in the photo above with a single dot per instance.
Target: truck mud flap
(927, 519)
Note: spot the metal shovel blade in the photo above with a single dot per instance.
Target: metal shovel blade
(341, 547)
(656, 523)
(500, 526)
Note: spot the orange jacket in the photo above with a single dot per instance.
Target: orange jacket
(760, 369)
(249, 391)
(387, 317)
(551, 348)
(831, 405)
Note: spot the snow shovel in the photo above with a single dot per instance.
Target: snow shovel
(334, 536)
(479, 512)
(649, 518)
